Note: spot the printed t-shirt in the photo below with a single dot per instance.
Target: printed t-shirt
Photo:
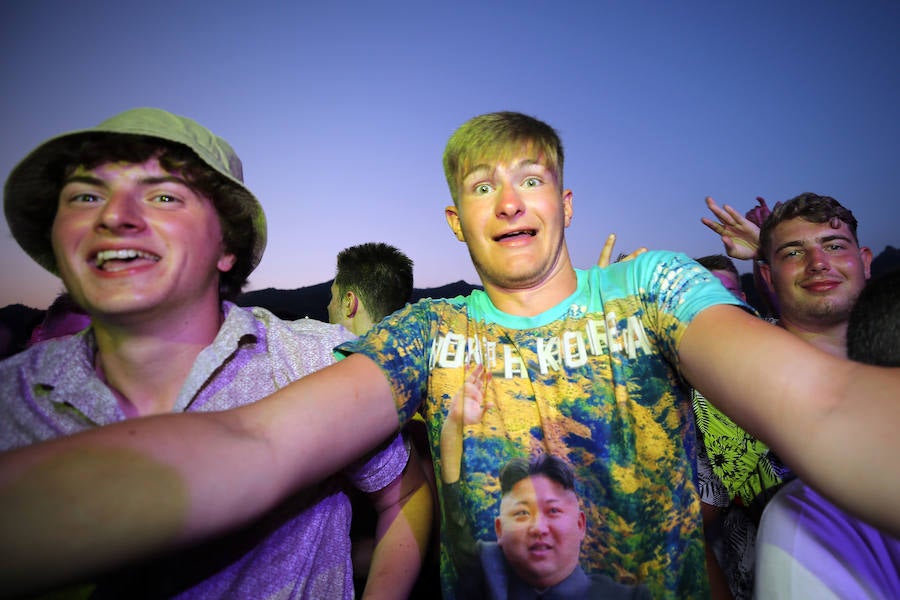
(593, 380)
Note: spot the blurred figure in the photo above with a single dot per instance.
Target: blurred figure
(372, 281)
(808, 547)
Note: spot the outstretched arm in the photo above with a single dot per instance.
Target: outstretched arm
(832, 421)
(92, 501)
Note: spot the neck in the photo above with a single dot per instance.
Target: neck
(146, 366)
(533, 299)
(828, 338)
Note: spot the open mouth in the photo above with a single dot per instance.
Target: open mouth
(516, 234)
(113, 260)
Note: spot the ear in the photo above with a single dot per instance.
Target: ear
(452, 215)
(567, 197)
(350, 304)
(498, 529)
(226, 262)
(865, 255)
(582, 523)
(765, 271)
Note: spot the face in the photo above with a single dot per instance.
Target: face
(512, 216)
(816, 272)
(731, 283)
(540, 529)
(134, 239)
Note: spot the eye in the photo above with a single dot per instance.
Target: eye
(483, 188)
(84, 199)
(532, 182)
(165, 199)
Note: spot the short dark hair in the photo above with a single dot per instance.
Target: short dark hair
(809, 207)
(873, 329)
(379, 274)
(718, 262)
(235, 217)
(550, 466)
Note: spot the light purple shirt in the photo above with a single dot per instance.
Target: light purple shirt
(299, 550)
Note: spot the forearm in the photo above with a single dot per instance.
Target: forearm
(402, 540)
(832, 421)
(92, 501)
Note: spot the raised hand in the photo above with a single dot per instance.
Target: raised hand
(466, 408)
(739, 235)
(607, 251)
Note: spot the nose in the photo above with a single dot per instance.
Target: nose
(816, 259)
(121, 213)
(538, 525)
(509, 202)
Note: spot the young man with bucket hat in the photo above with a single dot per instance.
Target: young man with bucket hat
(148, 223)
(592, 365)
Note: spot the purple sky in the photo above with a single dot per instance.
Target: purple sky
(340, 111)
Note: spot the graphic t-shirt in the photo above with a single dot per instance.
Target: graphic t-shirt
(593, 380)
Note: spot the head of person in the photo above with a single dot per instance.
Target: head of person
(505, 174)
(724, 270)
(146, 200)
(541, 525)
(372, 281)
(873, 332)
(812, 259)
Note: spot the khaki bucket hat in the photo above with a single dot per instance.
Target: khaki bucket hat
(29, 199)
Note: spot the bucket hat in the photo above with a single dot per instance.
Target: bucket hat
(29, 199)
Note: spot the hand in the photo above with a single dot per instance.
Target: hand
(607, 251)
(739, 235)
(466, 408)
(758, 214)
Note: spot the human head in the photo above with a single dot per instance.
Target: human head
(373, 278)
(873, 332)
(181, 145)
(813, 262)
(499, 135)
(724, 270)
(541, 525)
(509, 208)
(809, 207)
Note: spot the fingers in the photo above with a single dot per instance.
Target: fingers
(607, 250)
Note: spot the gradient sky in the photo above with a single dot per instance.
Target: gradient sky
(340, 111)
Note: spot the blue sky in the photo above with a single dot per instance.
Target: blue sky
(340, 111)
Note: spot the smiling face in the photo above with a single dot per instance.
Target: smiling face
(135, 239)
(816, 270)
(540, 529)
(512, 216)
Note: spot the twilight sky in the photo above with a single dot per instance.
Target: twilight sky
(340, 111)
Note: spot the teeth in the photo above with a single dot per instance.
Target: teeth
(106, 255)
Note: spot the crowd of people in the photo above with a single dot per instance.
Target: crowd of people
(629, 430)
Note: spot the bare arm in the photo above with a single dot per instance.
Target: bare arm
(402, 533)
(95, 500)
(833, 421)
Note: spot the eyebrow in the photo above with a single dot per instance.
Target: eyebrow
(525, 162)
(94, 180)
